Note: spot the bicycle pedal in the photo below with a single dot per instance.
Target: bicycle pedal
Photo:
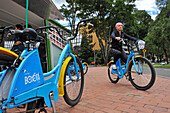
(127, 78)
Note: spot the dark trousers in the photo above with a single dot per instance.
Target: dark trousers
(118, 54)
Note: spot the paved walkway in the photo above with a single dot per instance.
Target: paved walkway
(102, 96)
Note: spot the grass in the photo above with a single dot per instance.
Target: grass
(157, 65)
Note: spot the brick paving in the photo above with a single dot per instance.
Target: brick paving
(102, 96)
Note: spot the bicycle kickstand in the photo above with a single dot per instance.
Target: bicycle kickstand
(53, 102)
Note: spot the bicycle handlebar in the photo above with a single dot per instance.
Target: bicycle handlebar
(84, 20)
(18, 32)
(48, 27)
(2, 31)
(126, 43)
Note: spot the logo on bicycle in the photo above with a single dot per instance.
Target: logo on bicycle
(34, 78)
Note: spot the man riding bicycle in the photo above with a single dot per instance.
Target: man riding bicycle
(116, 48)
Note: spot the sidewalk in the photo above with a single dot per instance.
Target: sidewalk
(102, 96)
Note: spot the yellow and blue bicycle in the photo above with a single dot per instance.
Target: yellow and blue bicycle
(24, 82)
(138, 70)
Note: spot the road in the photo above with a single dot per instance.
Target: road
(163, 72)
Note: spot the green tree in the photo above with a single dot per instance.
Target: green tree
(85, 50)
(70, 12)
(158, 38)
(162, 3)
(142, 22)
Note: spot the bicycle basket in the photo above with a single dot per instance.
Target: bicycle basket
(141, 44)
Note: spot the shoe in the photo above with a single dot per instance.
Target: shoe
(114, 67)
(74, 78)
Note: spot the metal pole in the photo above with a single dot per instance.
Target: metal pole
(27, 1)
(94, 57)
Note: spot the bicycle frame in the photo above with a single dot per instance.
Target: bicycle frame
(120, 71)
(83, 65)
(28, 83)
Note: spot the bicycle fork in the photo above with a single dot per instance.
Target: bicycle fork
(75, 66)
(140, 69)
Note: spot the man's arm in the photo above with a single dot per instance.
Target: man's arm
(113, 35)
(17, 42)
(130, 37)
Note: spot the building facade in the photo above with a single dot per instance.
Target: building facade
(40, 13)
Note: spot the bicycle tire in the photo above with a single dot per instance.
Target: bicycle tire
(86, 69)
(31, 106)
(133, 77)
(68, 99)
(111, 76)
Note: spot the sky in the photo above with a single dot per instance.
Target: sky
(148, 5)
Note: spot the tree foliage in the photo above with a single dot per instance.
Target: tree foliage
(158, 38)
(85, 50)
(70, 12)
(142, 22)
(162, 3)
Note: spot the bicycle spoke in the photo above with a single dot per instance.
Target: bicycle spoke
(73, 89)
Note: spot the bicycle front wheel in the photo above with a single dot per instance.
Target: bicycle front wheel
(146, 78)
(73, 88)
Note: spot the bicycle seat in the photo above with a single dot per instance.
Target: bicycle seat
(7, 57)
(29, 34)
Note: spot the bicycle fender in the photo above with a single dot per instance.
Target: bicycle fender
(109, 63)
(61, 77)
(85, 63)
(131, 61)
(8, 52)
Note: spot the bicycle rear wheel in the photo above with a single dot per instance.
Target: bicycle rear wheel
(112, 76)
(146, 79)
(73, 88)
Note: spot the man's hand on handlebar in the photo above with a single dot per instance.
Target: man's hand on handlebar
(117, 38)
